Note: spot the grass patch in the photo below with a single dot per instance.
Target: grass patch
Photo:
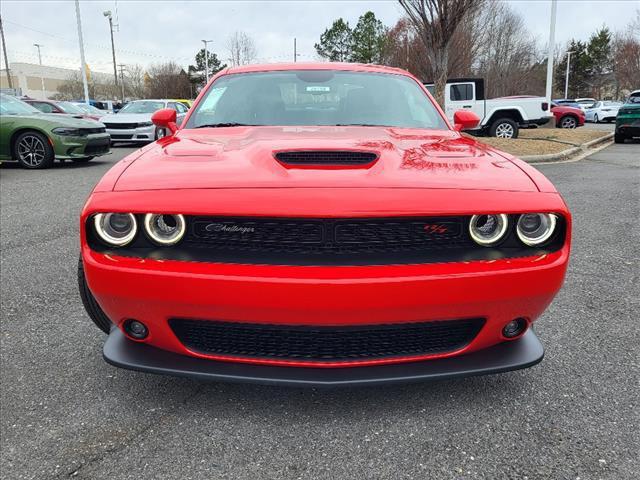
(543, 141)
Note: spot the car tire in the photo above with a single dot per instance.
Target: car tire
(82, 160)
(504, 128)
(618, 138)
(160, 133)
(568, 121)
(33, 150)
(90, 304)
(595, 118)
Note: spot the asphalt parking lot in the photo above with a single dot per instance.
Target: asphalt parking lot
(67, 414)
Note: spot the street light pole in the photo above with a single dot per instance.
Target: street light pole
(566, 80)
(113, 48)
(6, 59)
(122, 80)
(552, 41)
(84, 64)
(38, 45)
(206, 59)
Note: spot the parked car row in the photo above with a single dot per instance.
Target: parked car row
(35, 133)
(595, 111)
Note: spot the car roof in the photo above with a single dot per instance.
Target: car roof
(353, 67)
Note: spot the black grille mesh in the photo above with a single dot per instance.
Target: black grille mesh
(328, 157)
(325, 344)
(326, 236)
(120, 126)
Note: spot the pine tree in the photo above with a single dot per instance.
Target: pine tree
(369, 40)
(336, 43)
(197, 72)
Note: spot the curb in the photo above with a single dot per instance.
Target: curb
(563, 155)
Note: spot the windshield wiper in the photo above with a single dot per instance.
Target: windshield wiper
(228, 124)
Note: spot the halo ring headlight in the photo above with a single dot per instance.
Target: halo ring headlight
(165, 229)
(487, 230)
(534, 229)
(116, 229)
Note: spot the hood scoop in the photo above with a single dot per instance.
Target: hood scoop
(326, 158)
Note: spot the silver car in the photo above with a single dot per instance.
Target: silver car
(133, 122)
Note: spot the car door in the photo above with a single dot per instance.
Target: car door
(461, 96)
(591, 111)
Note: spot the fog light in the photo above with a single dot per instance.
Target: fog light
(514, 328)
(136, 329)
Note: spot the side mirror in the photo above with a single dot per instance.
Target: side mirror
(165, 118)
(465, 120)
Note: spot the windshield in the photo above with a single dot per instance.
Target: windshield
(611, 104)
(316, 97)
(89, 108)
(12, 106)
(142, 107)
(69, 107)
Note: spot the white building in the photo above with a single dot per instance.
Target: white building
(29, 78)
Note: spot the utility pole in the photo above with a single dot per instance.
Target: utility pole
(83, 63)
(295, 50)
(113, 48)
(552, 44)
(122, 65)
(4, 51)
(566, 80)
(206, 59)
(38, 45)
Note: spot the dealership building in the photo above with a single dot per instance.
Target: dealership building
(42, 81)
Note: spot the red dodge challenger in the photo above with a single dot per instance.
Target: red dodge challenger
(321, 224)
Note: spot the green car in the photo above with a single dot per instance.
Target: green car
(36, 139)
(628, 119)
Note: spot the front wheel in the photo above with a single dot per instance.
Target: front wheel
(160, 133)
(504, 128)
(90, 304)
(33, 150)
(618, 138)
(568, 122)
(595, 118)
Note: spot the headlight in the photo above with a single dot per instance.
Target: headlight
(69, 132)
(536, 228)
(487, 230)
(164, 229)
(116, 229)
(145, 124)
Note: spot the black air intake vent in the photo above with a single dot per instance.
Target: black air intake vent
(326, 157)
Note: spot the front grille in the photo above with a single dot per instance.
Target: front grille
(326, 157)
(120, 126)
(87, 131)
(325, 344)
(321, 237)
(120, 136)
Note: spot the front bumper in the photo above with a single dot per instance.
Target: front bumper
(139, 134)
(92, 145)
(522, 353)
(155, 291)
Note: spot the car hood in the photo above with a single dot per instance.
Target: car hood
(53, 120)
(127, 118)
(243, 157)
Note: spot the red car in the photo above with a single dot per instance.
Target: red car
(567, 117)
(321, 224)
(51, 106)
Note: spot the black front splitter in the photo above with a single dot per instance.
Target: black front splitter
(522, 353)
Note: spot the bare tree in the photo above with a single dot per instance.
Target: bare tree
(167, 80)
(242, 49)
(134, 81)
(435, 22)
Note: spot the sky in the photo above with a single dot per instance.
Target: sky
(156, 30)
